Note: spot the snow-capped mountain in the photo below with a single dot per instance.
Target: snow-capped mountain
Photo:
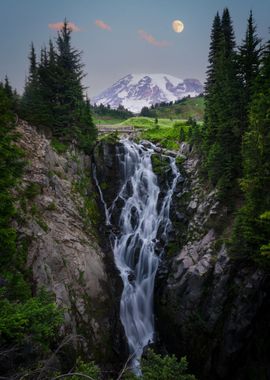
(135, 91)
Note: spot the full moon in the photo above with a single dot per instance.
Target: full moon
(177, 26)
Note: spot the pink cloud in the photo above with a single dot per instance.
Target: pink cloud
(152, 40)
(102, 25)
(59, 26)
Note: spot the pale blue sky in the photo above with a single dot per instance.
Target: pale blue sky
(111, 54)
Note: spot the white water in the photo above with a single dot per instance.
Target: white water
(142, 220)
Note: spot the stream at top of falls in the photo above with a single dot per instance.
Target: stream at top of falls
(143, 221)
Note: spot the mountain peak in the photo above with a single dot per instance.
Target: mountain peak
(135, 91)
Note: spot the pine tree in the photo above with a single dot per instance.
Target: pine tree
(249, 62)
(222, 137)
(70, 90)
(31, 100)
(53, 95)
(210, 118)
(228, 33)
(252, 227)
(8, 88)
(33, 64)
(250, 52)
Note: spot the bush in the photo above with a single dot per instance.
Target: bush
(90, 369)
(32, 190)
(59, 146)
(38, 318)
(156, 367)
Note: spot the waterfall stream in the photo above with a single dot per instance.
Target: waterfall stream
(143, 222)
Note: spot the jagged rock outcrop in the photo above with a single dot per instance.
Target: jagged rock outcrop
(208, 306)
(59, 218)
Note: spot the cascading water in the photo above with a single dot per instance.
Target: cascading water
(143, 220)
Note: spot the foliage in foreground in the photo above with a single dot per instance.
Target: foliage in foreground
(157, 367)
(37, 318)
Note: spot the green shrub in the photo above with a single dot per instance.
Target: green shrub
(32, 190)
(59, 146)
(51, 207)
(156, 367)
(90, 369)
(38, 318)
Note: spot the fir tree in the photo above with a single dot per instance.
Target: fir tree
(249, 59)
(8, 88)
(210, 117)
(69, 76)
(249, 62)
(31, 100)
(252, 227)
(222, 136)
(53, 95)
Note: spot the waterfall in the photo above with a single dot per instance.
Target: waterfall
(144, 219)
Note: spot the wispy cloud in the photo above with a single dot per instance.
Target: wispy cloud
(102, 25)
(59, 26)
(152, 40)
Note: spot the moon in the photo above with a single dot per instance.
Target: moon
(177, 26)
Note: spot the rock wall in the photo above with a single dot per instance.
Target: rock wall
(209, 307)
(59, 217)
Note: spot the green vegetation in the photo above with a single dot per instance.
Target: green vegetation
(168, 137)
(110, 138)
(53, 95)
(37, 318)
(181, 109)
(166, 132)
(105, 120)
(89, 369)
(252, 227)
(108, 115)
(59, 146)
(149, 122)
(32, 190)
(26, 318)
(156, 367)
(160, 163)
(235, 141)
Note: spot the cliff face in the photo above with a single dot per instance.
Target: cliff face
(59, 217)
(209, 307)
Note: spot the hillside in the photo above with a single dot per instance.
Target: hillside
(183, 109)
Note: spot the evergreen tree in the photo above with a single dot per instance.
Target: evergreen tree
(249, 62)
(33, 64)
(210, 118)
(69, 89)
(249, 58)
(53, 95)
(222, 136)
(8, 88)
(11, 167)
(252, 227)
(31, 100)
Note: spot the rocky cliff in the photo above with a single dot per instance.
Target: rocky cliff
(208, 306)
(59, 216)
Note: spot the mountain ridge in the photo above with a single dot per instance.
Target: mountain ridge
(135, 91)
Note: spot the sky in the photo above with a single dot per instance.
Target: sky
(118, 37)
